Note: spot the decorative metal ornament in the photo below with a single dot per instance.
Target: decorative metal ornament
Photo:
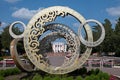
(35, 29)
(11, 32)
(14, 54)
(60, 31)
(35, 48)
(96, 43)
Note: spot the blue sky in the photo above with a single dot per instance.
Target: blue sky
(23, 10)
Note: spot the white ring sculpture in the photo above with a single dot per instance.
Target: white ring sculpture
(11, 32)
(89, 43)
(35, 29)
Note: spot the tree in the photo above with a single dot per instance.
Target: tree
(106, 46)
(6, 38)
(96, 35)
(0, 45)
(117, 37)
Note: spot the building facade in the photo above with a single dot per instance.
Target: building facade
(59, 47)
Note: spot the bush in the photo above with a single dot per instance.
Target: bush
(106, 76)
(11, 71)
(88, 78)
(94, 77)
(79, 78)
(95, 72)
(103, 76)
(1, 78)
(1, 58)
(91, 72)
(8, 72)
(47, 78)
(56, 78)
(64, 78)
(69, 78)
(2, 73)
(37, 77)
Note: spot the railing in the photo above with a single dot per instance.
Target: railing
(9, 63)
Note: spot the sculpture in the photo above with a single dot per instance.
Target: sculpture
(38, 25)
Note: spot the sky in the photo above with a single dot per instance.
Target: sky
(23, 10)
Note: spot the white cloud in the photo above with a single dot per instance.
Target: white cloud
(114, 11)
(3, 25)
(25, 13)
(12, 1)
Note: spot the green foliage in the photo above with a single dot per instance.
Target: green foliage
(79, 78)
(2, 73)
(96, 71)
(83, 70)
(5, 38)
(99, 76)
(112, 38)
(0, 45)
(103, 76)
(56, 78)
(47, 78)
(1, 78)
(88, 78)
(94, 77)
(69, 78)
(90, 72)
(8, 72)
(37, 77)
(1, 58)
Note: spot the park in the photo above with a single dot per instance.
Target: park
(48, 47)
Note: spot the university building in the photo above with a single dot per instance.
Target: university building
(59, 47)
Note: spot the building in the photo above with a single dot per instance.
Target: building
(59, 47)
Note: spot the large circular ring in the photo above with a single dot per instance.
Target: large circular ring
(11, 32)
(32, 32)
(19, 63)
(89, 43)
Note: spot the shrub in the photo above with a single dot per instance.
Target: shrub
(1, 78)
(106, 76)
(2, 73)
(47, 78)
(69, 78)
(56, 78)
(87, 78)
(91, 72)
(96, 71)
(79, 78)
(82, 71)
(94, 77)
(37, 77)
(8, 72)
(64, 78)
(1, 58)
(103, 76)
